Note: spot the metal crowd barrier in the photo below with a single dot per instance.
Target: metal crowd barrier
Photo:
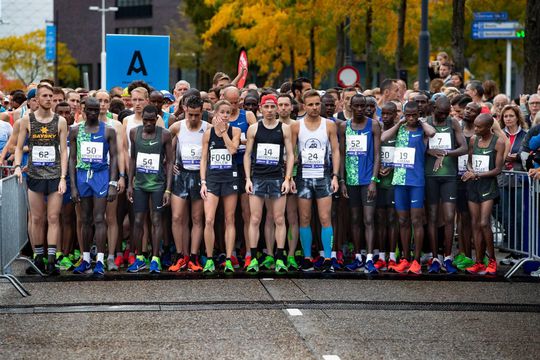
(516, 217)
(14, 228)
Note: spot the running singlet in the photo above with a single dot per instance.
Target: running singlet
(463, 159)
(314, 154)
(483, 159)
(165, 118)
(92, 149)
(242, 124)
(409, 157)
(444, 139)
(387, 161)
(359, 156)
(44, 149)
(221, 167)
(149, 172)
(267, 155)
(189, 146)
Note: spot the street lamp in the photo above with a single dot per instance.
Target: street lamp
(103, 10)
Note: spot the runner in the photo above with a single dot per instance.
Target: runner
(47, 170)
(150, 180)
(93, 181)
(411, 137)
(267, 180)
(316, 137)
(158, 99)
(361, 152)
(486, 159)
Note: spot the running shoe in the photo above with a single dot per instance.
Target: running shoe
(340, 257)
(318, 263)
(476, 269)
(391, 265)
(465, 263)
(138, 265)
(247, 261)
(155, 266)
(38, 262)
(166, 260)
(291, 263)
(449, 267)
(425, 258)
(511, 259)
(53, 269)
(356, 265)
(228, 268)
(268, 262)
(194, 266)
(111, 266)
(403, 266)
(83, 268)
(335, 263)
(99, 268)
(119, 261)
(327, 266)
(209, 267)
(370, 268)
(485, 261)
(491, 269)
(78, 263)
(180, 265)
(307, 265)
(253, 266)
(459, 258)
(131, 260)
(235, 262)
(435, 267)
(281, 267)
(416, 268)
(535, 273)
(381, 265)
(76, 255)
(65, 264)
(127, 256)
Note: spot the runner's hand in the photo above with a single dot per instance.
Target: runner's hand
(62, 186)
(130, 194)
(285, 187)
(468, 176)
(344, 190)
(121, 185)
(112, 193)
(249, 186)
(372, 191)
(293, 186)
(176, 170)
(335, 185)
(166, 198)
(18, 173)
(75, 196)
(204, 192)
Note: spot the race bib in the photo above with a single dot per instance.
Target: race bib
(441, 141)
(43, 155)
(480, 163)
(462, 164)
(220, 159)
(356, 144)
(404, 157)
(267, 154)
(191, 156)
(387, 155)
(242, 147)
(147, 163)
(92, 151)
(313, 158)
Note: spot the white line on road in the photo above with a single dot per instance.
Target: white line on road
(294, 312)
(331, 357)
(267, 279)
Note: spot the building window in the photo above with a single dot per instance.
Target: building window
(128, 9)
(146, 30)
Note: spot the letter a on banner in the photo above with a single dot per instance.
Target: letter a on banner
(137, 57)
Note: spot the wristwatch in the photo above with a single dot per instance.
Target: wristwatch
(113, 183)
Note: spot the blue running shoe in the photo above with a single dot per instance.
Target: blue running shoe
(84, 268)
(154, 267)
(370, 268)
(137, 266)
(435, 266)
(449, 267)
(318, 264)
(99, 268)
(336, 264)
(166, 260)
(356, 265)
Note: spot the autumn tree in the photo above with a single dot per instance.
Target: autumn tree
(531, 48)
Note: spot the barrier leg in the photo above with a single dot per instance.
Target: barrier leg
(17, 284)
(517, 266)
(24, 258)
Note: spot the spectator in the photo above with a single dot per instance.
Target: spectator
(457, 81)
(436, 85)
(490, 90)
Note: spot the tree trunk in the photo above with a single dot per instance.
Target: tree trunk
(312, 54)
(458, 41)
(400, 35)
(369, 21)
(340, 50)
(531, 48)
(293, 70)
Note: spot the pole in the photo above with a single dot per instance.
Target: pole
(55, 21)
(103, 53)
(423, 50)
(508, 83)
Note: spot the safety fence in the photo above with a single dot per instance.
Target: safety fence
(516, 217)
(13, 226)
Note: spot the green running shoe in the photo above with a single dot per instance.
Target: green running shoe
(298, 253)
(291, 263)
(459, 258)
(253, 266)
(465, 263)
(280, 266)
(485, 261)
(228, 268)
(147, 261)
(76, 255)
(209, 266)
(65, 264)
(268, 262)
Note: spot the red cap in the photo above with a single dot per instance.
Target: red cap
(268, 97)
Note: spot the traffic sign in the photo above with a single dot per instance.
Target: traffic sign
(348, 76)
(50, 43)
(491, 25)
(495, 30)
(490, 16)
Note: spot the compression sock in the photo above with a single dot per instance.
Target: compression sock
(306, 238)
(327, 237)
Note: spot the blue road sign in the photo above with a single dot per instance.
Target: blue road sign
(137, 57)
(490, 16)
(50, 43)
(482, 30)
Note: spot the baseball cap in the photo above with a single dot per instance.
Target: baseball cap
(31, 94)
(167, 95)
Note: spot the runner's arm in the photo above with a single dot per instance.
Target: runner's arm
(252, 130)
(460, 139)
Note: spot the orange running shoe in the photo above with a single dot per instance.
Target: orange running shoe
(194, 266)
(415, 268)
(402, 267)
(131, 259)
(247, 261)
(381, 265)
(235, 262)
(119, 261)
(391, 265)
(492, 267)
(181, 264)
(477, 269)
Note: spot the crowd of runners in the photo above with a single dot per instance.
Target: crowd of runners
(229, 179)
